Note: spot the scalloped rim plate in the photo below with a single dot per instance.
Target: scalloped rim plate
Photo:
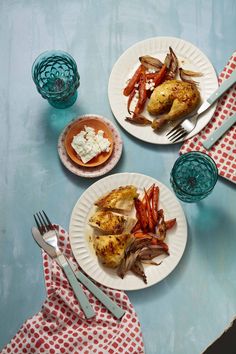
(96, 171)
(79, 232)
(189, 56)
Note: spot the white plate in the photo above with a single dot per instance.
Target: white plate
(189, 56)
(79, 232)
(97, 171)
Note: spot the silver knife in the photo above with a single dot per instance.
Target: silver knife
(217, 134)
(117, 311)
(219, 92)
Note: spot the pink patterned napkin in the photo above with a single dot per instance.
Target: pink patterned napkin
(61, 327)
(224, 150)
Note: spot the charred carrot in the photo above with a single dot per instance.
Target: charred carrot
(149, 193)
(134, 80)
(149, 213)
(159, 78)
(141, 234)
(136, 227)
(170, 223)
(141, 213)
(151, 76)
(155, 200)
(154, 241)
(142, 94)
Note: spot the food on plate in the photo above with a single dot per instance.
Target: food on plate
(138, 119)
(108, 222)
(145, 82)
(172, 100)
(110, 249)
(89, 144)
(125, 242)
(121, 198)
(137, 253)
(186, 74)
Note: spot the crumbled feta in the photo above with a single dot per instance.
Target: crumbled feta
(88, 144)
(151, 71)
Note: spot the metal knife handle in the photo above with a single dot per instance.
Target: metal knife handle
(117, 311)
(222, 88)
(219, 132)
(80, 295)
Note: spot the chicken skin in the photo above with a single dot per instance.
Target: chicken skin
(172, 100)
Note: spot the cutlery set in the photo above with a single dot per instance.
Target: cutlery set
(46, 236)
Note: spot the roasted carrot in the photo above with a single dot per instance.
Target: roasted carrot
(134, 80)
(140, 234)
(149, 213)
(142, 94)
(170, 223)
(155, 200)
(154, 241)
(141, 214)
(151, 76)
(149, 193)
(160, 76)
(136, 227)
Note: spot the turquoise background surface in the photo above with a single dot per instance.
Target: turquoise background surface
(185, 312)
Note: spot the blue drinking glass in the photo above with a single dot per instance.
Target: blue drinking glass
(193, 176)
(56, 77)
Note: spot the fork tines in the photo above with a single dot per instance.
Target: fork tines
(176, 133)
(42, 221)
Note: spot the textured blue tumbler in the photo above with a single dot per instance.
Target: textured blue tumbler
(193, 176)
(56, 77)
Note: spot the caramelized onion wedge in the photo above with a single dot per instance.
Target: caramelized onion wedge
(126, 264)
(185, 74)
(151, 262)
(138, 269)
(171, 62)
(149, 253)
(190, 72)
(150, 62)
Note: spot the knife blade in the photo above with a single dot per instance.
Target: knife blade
(112, 306)
(217, 134)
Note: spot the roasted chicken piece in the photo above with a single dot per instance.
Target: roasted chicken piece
(108, 222)
(121, 198)
(110, 249)
(172, 100)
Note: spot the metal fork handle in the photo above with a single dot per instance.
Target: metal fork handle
(222, 88)
(80, 295)
(117, 311)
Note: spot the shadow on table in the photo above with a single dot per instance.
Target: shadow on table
(57, 119)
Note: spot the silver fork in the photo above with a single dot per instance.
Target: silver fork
(187, 125)
(183, 128)
(49, 234)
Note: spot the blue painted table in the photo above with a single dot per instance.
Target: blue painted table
(192, 306)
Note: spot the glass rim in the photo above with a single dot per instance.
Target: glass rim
(204, 156)
(46, 54)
